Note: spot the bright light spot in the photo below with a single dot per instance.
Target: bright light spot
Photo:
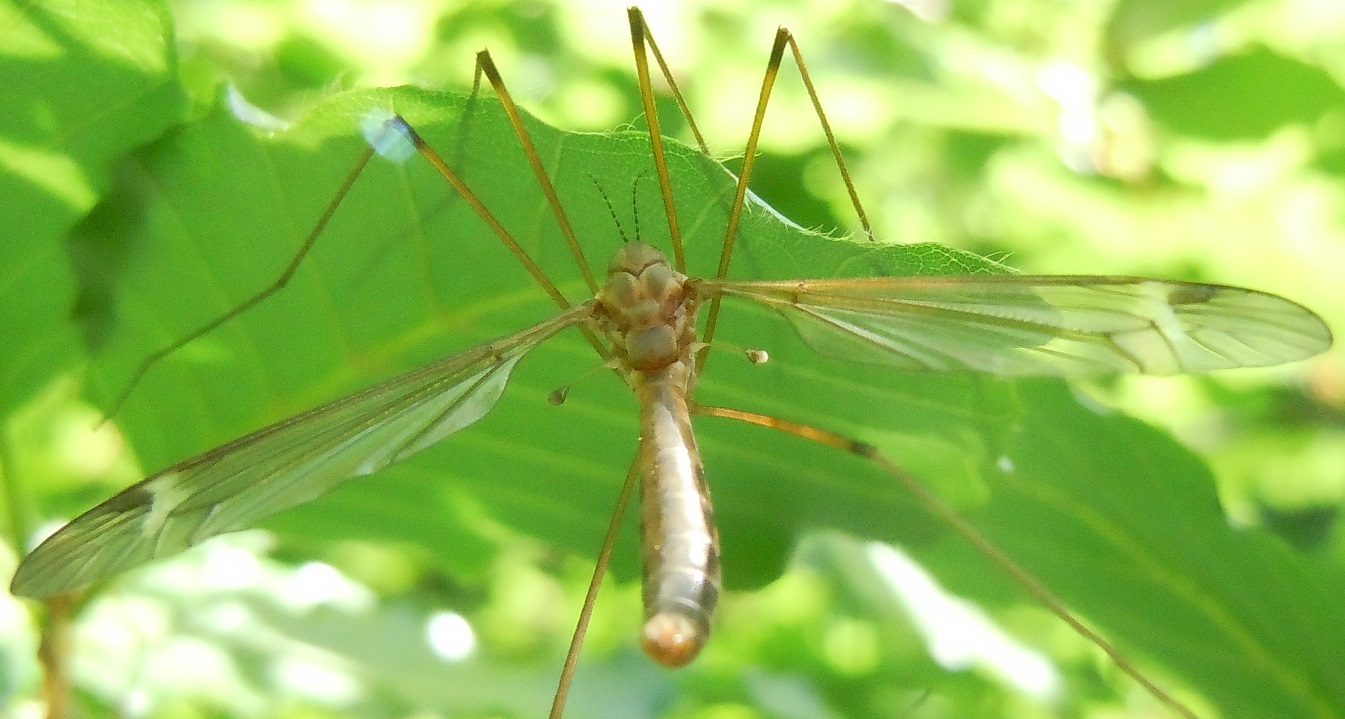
(227, 566)
(317, 583)
(137, 702)
(851, 646)
(1077, 126)
(450, 636)
(124, 624)
(1076, 91)
(1005, 464)
(927, 10)
(592, 104)
(318, 681)
(958, 633)
(386, 133)
(250, 26)
(44, 530)
(386, 37)
(243, 109)
(86, 444)
(228, 617)
(1067, 84)
(57, 175)
(29, 709)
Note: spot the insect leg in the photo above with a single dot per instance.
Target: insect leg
(485, 65)
(964, 528)
(586, 613)
(278, 284)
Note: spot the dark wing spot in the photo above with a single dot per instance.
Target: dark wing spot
(1191, 294)
(132, 499)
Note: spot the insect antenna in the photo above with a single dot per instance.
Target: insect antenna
(634, 203)
(621, 230)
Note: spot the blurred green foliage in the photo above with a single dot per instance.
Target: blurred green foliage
(1195, 140)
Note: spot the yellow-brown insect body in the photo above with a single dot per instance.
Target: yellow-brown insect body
(648, 310)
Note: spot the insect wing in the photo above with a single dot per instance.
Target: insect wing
(293, 461)
(1019, 325)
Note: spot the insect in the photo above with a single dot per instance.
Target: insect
(644, 320)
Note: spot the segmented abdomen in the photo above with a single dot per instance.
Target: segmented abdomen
(681, 544)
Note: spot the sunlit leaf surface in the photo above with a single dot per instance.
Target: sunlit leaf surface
(963, 146)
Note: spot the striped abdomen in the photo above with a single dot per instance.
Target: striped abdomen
(681, 545)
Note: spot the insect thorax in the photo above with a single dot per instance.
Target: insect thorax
(646, 309)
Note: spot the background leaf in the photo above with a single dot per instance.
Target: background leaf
(1128, 530)
(1286, 92)
(85, 84)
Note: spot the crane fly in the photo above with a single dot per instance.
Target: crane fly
(644, 322)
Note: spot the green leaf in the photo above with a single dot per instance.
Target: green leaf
(1240, 97)
(84, 82)
(406, 272)
(1099, 505)
(1133, 21)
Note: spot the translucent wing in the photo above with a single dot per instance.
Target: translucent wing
(1041, 325)
(288, 463)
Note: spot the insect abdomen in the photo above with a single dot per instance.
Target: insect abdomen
(681, 544)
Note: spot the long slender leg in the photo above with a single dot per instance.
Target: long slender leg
(485, 65)
(637, 18)
(586, 612)
(278, 284)
(480, 209)
(740, 193)
(401, 126)
(642, 38)
(982, 544)
(639, 32)
(637, 39)
(831, 136)
(394, 125)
